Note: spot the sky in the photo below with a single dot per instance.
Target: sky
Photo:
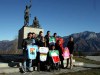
(64, 17)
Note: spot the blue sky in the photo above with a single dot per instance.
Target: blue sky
(62, 16)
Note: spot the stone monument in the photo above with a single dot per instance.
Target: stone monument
(35, 27)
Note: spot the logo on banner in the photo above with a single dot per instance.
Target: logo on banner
(32, 50)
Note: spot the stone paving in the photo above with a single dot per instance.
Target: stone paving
(77, 67)
(96, 58)
(16, 71)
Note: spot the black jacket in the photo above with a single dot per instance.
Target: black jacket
(41, 44)
(70, 46)
(57, 47)
(47, 40)
(25, 43)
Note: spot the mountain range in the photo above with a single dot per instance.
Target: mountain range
(86, 41)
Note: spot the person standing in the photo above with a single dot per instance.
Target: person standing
(47, 36)
(60, 49)
(26, 42)
(53, 39)
(34, 38)
(42, 42)
(39, 37)
(70, 46)
(55, 36)
(43, 53)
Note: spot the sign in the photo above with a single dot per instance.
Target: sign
(55, 55)
(43, 53)
(66, 53)
(52, 40)
(32, 51)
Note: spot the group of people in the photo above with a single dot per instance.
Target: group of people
(46, 41)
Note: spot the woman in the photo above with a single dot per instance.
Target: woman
(59, 47)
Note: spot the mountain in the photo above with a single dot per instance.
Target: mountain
(5, 45)
(9, 47)
(88, 42)
(85, 42)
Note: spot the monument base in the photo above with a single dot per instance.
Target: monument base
(23, 34)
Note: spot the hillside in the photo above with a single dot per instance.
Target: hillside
(88, 42)
(9, 47)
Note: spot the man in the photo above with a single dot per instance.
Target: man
(70, 46)
(47, 36)
(34, 38)
(55, 35)
(40, 35)
(26, 42)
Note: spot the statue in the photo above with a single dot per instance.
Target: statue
(26, 14)
(36, 23)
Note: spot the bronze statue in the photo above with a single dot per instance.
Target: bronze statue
(36, 23)
(26, 14)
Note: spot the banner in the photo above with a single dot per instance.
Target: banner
(52, 40)
(43, 53)
(32, 51)
(66, 53)
(55, 55)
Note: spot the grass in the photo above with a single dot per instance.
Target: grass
(85, 72)
(85, 60)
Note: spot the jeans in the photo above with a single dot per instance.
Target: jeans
(70, 61)
(27, 64)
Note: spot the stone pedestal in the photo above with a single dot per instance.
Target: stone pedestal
(23, 34)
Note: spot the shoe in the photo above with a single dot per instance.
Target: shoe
(64, 67)
(29, 70)
(24, 72)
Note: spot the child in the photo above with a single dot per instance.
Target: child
(66, 56)
(54, 59)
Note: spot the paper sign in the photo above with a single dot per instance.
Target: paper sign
(43, 53)
(66, 53)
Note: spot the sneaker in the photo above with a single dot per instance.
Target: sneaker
(29, 70)
(24, 72)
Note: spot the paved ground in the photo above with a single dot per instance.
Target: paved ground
(77, 67)
(6, 70)
(96, 58)
(46, 73)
